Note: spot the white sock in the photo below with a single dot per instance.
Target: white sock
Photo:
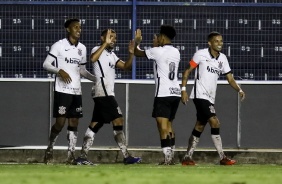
(120, 140)
(218, 145)
(167, 154)
(87, 142)
(192, 144)
(72, 139)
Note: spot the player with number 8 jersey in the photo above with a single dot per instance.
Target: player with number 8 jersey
(167, 94)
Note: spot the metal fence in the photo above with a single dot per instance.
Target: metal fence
(251, 31)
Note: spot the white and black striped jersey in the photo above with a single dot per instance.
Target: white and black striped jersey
(68, 57)
(166, 62)
(208, 70)
(104, 72)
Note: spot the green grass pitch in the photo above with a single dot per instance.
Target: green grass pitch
(139, 174)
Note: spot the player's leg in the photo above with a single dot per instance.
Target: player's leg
(88, 140)
(73, 115)
(216, 138)
(121, 141)
(174, 103)
(165, 137)
(60, 107)
(203, 113)
(193, 142)
(55, 131)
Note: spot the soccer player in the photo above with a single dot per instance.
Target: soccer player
(106, 108)
(67, 59)
(167, 92)
(210, 63)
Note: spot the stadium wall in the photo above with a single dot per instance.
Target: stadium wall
(26, 115)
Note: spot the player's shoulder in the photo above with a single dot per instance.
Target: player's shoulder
(222, 55)
(81, 45)
(95, 48)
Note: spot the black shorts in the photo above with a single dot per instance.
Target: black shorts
(67, 105)
(205, 110)
(165, 107)
(106, 109)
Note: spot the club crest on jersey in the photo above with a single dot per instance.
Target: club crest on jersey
(220, 64)
(80, 52)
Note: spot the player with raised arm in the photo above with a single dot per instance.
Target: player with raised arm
(166, 60)
(67, 59)
(210, 63)
(106, 109)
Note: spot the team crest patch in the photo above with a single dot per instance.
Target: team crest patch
(212, 109)
(62, 110)
(220, 64)
(80, 52)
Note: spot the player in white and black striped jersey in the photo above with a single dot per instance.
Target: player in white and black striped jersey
(166, 60)
(106, 109)
(67, 59)
(210, 63)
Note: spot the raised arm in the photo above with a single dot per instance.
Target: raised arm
(138, 38)
(128, 64)
(95, 55)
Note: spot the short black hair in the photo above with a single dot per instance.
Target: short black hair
(69, 21)
(104, 32)
(213, 34)
(168, 31)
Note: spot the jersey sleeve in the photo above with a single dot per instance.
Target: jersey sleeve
(195, 61)
(226, 68)
(151, 53)
(55, 49)
(115, 57)
(94, 49)
(84, 54)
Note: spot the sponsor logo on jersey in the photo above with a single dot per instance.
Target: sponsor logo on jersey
(62, 110)
(111, 66)
(72, 60)
(175, 91)
(80, 52)
(213, 70)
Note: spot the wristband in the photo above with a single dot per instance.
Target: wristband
(183, 88)
(240, 91)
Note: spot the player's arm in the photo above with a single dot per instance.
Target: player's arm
(47, 65)
(128, 64)
(95, 55)
(138, 38)
(235, 86)
(85, 73)
(185, 75)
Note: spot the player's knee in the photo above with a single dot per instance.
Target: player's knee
(96, 127)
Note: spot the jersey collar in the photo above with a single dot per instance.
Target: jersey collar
(212, 55)
(109, 50)
(71, 43)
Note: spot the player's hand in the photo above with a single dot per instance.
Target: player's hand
(138, 36)
(131, 47)
(155, 41)
(184, 97)
(109, 39)
(242, 95)
(65, 76)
